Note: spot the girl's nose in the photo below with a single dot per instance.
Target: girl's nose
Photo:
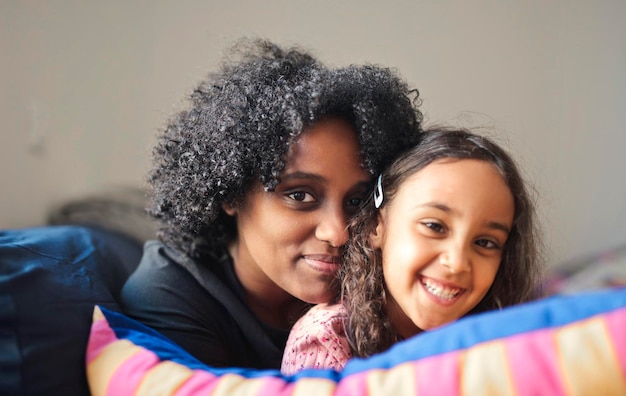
(332, 227)
(456, 258)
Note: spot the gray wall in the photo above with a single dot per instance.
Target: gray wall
(85, 85)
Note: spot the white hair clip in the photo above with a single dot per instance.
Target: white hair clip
(378, 192)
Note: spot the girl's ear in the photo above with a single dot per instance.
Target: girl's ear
(230, 209)
(376, 237)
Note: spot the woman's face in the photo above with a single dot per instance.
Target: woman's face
(442, 238)
(288, 239)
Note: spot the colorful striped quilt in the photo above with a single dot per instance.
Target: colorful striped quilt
(562, 345)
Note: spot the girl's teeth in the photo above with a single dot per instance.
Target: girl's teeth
(441, 292)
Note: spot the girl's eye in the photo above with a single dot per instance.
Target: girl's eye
(301, 196)
(437, 227)
(487, 244)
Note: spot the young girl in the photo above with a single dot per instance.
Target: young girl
(253, 184)
(449, 231)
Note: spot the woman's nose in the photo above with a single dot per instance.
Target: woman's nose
(456, 258)
(332, 227)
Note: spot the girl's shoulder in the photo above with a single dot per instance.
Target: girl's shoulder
(323, 315)
(317, 340)
(336, 309)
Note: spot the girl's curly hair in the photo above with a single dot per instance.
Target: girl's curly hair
(362, 285)
(240, 123)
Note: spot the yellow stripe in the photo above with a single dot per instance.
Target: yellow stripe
(485, 371)
(399, 380)
(101, 369)
(314, 387)
(164, 379)
(587, 359)
(235, 384)
(97, 314)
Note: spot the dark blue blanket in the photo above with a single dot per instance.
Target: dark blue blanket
(50, 279)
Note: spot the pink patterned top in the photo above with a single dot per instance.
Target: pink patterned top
(317, 340)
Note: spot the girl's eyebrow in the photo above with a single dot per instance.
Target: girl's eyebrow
(499, 226)
(437, 205)
(445, 208)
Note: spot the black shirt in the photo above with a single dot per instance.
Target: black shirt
(201, 307)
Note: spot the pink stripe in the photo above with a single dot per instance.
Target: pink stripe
(616, 328)
(534, 364)
(131, 372)
(200, 383)
(355, 384)
(275, 386)
(439, 374)
(101, 336)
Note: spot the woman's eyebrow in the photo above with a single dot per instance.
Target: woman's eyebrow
(359, 185)
(302, 175)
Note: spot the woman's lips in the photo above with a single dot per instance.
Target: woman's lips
(324, 263)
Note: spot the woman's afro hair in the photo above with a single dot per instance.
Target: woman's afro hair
(241, 121)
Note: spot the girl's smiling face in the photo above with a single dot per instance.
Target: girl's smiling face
(442, 238)
(288, 239)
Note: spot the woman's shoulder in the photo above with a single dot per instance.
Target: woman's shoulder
(166, 278)
(163, 258)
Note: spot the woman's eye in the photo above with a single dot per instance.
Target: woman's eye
(355, 202)
(301, 196)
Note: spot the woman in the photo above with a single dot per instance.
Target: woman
(253, 185)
